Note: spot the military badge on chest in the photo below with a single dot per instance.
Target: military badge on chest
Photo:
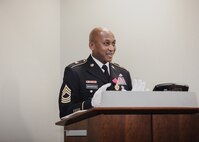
(119, 82)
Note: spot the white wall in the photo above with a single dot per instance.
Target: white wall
(157, 40)
(29, 70)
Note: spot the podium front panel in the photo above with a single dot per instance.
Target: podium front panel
(117, 128)
(176, 128)
(120, 128)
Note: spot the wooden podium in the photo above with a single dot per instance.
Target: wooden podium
(133, 125)
(136, 117)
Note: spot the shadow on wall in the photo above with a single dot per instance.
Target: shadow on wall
(12, 126)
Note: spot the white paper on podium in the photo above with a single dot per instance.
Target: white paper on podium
(148, 99)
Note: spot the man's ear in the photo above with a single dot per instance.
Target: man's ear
(91, 45)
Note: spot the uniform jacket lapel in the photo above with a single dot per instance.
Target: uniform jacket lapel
(113, 73)
(95, 70)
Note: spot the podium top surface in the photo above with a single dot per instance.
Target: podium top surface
(81, 115)
(124, 103)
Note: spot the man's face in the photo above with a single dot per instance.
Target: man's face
(103, 46)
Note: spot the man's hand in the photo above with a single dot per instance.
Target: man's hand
(96, 100)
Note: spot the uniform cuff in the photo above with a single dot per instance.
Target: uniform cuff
(86, 104)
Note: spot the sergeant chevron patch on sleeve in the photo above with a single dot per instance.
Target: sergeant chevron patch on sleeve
(66, 95)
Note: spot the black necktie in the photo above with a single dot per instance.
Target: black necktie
(106, 71)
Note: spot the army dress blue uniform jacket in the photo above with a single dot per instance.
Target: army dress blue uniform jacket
(82, 79)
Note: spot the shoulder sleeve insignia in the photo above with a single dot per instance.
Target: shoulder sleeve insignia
(81, 62)
(66, 95)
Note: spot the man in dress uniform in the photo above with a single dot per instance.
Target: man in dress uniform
(85, 80)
